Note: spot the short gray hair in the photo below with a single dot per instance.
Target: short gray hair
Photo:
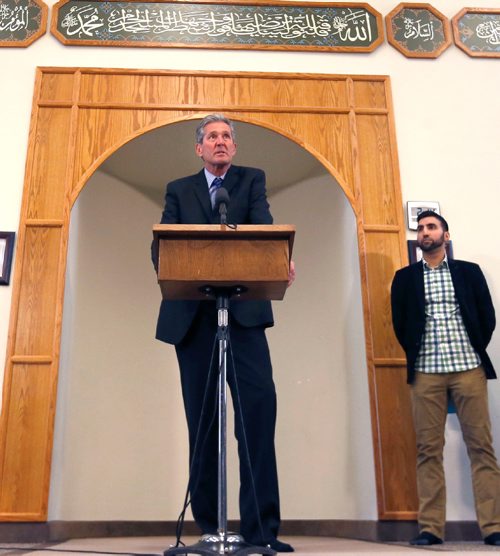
(210, 119)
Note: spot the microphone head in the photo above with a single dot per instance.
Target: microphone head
(221, 196)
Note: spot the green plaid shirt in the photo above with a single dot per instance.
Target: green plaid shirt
(446, 347)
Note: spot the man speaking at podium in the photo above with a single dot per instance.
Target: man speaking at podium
(192, 325)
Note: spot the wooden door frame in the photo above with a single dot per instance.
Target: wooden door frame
(81, 116)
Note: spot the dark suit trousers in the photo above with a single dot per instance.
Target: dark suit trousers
(257, 395)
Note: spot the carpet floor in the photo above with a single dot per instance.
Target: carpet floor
(304, 546)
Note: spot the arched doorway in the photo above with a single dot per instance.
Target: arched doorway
(80, 116)
(120, 447)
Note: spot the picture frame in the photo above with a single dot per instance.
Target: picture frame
(22, 23)
(6, 252)
(415, 253)
(418, 30)
(414, 208)
(238, 24)
(475, 31)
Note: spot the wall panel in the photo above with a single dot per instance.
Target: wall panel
(370, 94)
(38, 292)
(50, 150)
(382, 250)
(26, 446)
(57, 87)
(376, 167)
(397, 443)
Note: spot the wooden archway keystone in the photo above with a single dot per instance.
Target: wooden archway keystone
(81, 114)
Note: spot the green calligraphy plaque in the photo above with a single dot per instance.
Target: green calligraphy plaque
(22, 21)
(477, 32)
(418, 30)
(274, 25)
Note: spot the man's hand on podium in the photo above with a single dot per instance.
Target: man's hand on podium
(291, 274)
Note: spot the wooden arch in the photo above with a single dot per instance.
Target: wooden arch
(79, 117)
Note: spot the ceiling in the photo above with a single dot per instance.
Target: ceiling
(166, 153)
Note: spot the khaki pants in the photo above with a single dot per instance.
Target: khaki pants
(468, 391)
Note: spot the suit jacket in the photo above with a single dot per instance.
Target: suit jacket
(474, 300)
(187, 201)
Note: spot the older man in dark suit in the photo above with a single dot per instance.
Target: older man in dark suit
(191, 327)
(443, 317)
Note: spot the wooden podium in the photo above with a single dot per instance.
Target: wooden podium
(223, 262)
(254, 258)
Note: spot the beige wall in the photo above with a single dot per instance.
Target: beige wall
(120, 424)
(447, 120)
(323, 436)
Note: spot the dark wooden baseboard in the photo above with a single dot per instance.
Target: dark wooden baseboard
(382, 531)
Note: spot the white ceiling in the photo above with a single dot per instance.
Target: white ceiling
(155, 158)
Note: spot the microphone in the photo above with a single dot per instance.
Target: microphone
(221, 203)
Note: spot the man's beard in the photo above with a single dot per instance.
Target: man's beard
(432, 245)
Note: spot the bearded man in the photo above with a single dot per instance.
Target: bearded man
(444, 318)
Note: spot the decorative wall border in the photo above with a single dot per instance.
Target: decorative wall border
(80, 117)
(271, 25)
(22, 22)
(477, 32)
(418, 30)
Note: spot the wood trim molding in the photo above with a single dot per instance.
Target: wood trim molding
(346, 122)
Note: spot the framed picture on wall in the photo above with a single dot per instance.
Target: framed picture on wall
(476, 31)
(6, 250)
(414, 208)
(418, 30)
(22, 23)
(415, 253)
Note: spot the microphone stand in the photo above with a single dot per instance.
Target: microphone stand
(223, 213)
(223, 542)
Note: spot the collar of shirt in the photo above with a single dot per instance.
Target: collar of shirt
(210, 177)
(443, 263)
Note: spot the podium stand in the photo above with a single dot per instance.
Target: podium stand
(199, 262)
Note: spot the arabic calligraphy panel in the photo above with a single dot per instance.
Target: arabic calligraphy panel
(268, 26)
(418, 30)
(477, 32)
(22, 21)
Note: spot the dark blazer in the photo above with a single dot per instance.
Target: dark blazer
(187, 201)
(474, 300)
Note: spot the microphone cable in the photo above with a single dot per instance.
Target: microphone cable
(192, 486)
(239, 413)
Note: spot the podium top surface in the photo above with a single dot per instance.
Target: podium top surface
(220, 230)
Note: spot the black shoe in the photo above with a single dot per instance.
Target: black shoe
(493, 539)
(281, 546)
(426, 539)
